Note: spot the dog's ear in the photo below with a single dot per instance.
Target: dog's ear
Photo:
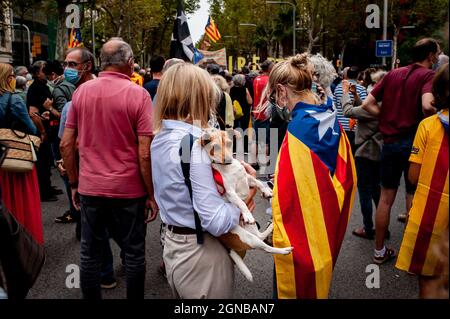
(205, 139)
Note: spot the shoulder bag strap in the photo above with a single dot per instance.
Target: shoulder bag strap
(188, 140)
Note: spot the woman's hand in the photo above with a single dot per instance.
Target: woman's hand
(249, 200)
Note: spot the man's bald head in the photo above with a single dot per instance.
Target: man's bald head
(117, 55)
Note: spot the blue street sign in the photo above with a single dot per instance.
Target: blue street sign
(383, 48)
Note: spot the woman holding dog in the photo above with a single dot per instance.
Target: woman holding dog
(315, 182)
(195, 268)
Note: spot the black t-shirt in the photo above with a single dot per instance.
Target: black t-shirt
(152, 87)
(38, 92)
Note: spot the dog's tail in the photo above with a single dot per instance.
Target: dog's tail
(241, 265)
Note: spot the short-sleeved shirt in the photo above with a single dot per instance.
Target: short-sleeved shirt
(401, 92)
(428, 140)
(152, 87)
(259, 84)
(37, 93)
(109, 113)
(338, 93)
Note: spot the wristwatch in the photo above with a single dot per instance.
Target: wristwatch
(73, 184)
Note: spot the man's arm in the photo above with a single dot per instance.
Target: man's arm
(414, 172)
(37, 122)
(370, 105)
(68, 153)
(145, 166)
(427, 104)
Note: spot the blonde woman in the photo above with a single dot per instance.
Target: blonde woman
(194, 270)
(314, 183)
(20, 191)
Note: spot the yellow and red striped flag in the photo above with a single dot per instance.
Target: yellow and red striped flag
(75, 38)
(211, 30)
(313, 197)
(428, 217)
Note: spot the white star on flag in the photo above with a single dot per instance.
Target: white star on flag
(182, 18)
(326, 121)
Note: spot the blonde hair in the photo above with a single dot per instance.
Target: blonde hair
(5, 71)
(185, 92)
(221, 83)
(295, 73)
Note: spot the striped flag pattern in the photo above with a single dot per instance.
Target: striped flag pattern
(75, 38)
(428, 217)
(313, 197)
(211, 30)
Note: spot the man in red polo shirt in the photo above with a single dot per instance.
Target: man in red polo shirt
(111, 117)
(406, 99)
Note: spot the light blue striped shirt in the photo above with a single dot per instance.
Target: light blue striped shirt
(362, 92)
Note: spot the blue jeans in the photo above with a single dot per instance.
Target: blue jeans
(369, 189)
(97, 213)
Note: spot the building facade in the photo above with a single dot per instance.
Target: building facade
(6, 54)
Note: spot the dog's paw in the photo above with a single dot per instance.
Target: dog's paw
(248, 218)
(267, 192)
(287, 250)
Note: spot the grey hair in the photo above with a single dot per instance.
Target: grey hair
(86, 56)
(325, 70)
(20, 68)
(171, 62)
(377, 76)
(239, 80)
(117, 57)
(21, 82)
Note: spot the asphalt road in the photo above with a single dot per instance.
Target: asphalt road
(349, 277)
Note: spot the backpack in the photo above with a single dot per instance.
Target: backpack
(238, 113)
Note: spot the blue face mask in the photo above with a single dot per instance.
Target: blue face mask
(71, 75)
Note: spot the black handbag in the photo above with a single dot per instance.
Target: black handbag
(21, 257)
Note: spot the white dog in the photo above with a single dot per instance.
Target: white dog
(236, 185)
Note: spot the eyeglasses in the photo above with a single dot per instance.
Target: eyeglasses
(71, 64)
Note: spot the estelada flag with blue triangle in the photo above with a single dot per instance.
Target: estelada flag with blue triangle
(75, 38)
(315, 183)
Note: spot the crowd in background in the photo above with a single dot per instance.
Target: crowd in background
(63, 102)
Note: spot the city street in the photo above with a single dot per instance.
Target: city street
(349, 279)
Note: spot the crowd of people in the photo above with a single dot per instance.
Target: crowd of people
(111, 135)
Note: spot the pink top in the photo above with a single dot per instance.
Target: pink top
(109, 114)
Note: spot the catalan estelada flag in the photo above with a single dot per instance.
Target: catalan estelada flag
(211, 30)
(75, 38)
(428, 217)
(315, 182)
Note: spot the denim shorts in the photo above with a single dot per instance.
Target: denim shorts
(395, 162)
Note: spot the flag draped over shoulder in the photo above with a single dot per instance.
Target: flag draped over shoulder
(181, 46)
(75, 38)
(313, 197)
(212, 31)
(428, 217)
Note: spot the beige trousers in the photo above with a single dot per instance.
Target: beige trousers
(198, 271)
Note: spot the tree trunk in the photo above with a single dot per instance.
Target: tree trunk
(394, 44)
(61, 34)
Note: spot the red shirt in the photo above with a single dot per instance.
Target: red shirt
(259, 84)
(109, 114)
(401, 92)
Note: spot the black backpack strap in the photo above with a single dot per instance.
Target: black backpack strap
(185, 156)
